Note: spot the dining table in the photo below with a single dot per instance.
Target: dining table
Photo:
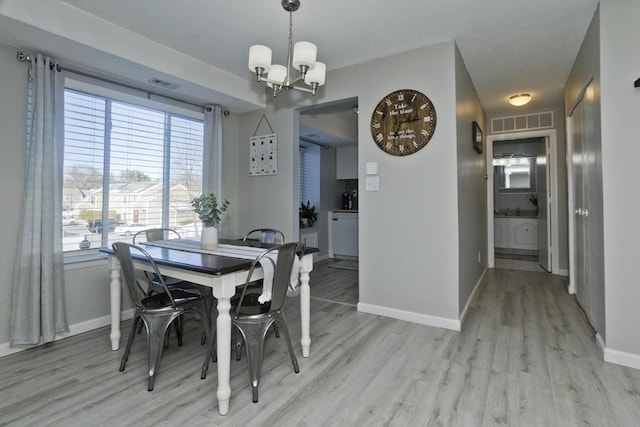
(223, 274)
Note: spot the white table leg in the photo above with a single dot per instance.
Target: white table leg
(223, 330)
(115, 304)
(306, 265)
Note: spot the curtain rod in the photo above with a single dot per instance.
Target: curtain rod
(25, 57)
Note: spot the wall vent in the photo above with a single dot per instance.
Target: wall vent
(163, 84)
(522, 122)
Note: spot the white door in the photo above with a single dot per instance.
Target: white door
(544, 201)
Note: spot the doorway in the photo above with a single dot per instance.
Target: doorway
(522, 199)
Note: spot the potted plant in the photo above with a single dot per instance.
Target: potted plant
(210, 213)
(307, 214)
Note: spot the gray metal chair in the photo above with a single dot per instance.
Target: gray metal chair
(265, 235)
(253, 320)
(156, 311)
(152, 234)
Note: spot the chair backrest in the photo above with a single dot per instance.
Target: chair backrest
(152, 234)
(124, 252)
(265, 235)
(281, 275)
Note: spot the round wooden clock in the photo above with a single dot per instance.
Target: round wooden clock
(403, 122)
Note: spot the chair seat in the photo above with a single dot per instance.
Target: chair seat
(250, 306)
(162, 301)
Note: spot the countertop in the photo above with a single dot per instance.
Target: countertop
(345, 210)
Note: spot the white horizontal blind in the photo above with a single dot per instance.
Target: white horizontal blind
(126, 168)
(304, 179)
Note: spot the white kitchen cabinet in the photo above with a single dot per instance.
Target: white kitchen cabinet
(515, 233)
(347, 162)
(501, 233)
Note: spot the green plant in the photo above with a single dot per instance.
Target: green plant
(208, 210)
(307, 212)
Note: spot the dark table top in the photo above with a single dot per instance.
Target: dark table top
(205, 263)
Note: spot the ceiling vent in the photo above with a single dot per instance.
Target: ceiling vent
(522, 122)
(163, 84)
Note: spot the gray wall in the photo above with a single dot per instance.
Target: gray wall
(409, 238)
(620, 103)
(472, 187)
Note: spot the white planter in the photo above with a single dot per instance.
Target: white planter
(209, 238)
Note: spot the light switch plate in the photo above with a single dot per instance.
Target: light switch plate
(371, 168)
(372, 183)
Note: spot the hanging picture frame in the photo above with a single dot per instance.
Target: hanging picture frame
(263, 155)
(263, 152)
(476, 133)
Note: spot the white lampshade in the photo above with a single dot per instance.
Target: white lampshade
(259, 57)
(304, 53)
(519, 99)
(317, 75)
(277, 73)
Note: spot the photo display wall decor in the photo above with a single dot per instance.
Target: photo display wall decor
(263, 152)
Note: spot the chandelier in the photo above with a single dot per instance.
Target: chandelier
(302, 57)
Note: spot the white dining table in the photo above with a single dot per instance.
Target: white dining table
(222, 274)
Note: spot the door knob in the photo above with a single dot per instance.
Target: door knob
(585, 213)
(579, 211)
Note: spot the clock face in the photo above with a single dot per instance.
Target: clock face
(403, 122)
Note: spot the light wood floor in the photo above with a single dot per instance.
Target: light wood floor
(526, 357)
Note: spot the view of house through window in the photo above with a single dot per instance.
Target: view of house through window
(127, 168)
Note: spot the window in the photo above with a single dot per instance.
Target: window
(127, 167)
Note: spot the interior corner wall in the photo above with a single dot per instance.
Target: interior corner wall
(408, 235)
(620, 110)
(472, 187)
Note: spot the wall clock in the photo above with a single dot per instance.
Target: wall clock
(403, 122)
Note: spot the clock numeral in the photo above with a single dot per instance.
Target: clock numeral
(425, 132)
(427, 119)
(388, 101)
(401, 97)
(380, 113)
(379, 137)
(413, 98)
(415, 144)
(401, 148)
(388, 146)
(423, 106)
(376, 126)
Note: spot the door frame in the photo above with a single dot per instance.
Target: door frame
(552, 223)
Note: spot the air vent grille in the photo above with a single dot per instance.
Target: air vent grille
(163, 84)
(522, 122)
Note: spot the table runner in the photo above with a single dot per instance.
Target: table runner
(243, 252)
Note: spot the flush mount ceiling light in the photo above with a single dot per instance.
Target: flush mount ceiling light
(519, 99)
(302, 57)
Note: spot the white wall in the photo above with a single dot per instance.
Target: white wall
(620, 103)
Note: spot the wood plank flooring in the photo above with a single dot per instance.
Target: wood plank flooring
(526, 357)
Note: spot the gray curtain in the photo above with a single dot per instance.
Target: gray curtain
(212, 174)
(37, 304)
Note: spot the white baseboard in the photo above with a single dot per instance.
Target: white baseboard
(408, 316)
(562, 272)
(471, 297)
(321, 258)
(75, 329)
(623, 358)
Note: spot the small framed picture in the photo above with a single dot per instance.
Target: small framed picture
(477, 137)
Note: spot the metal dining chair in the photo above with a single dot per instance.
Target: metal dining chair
(252, 319)
(265, 235)
(156, 312)
(154, 234)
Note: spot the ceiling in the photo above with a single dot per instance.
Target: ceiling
(508, 46)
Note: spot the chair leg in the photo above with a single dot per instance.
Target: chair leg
(158, 326)
(253, 335)
(137, 325)
(210, 353)
(283, 320)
